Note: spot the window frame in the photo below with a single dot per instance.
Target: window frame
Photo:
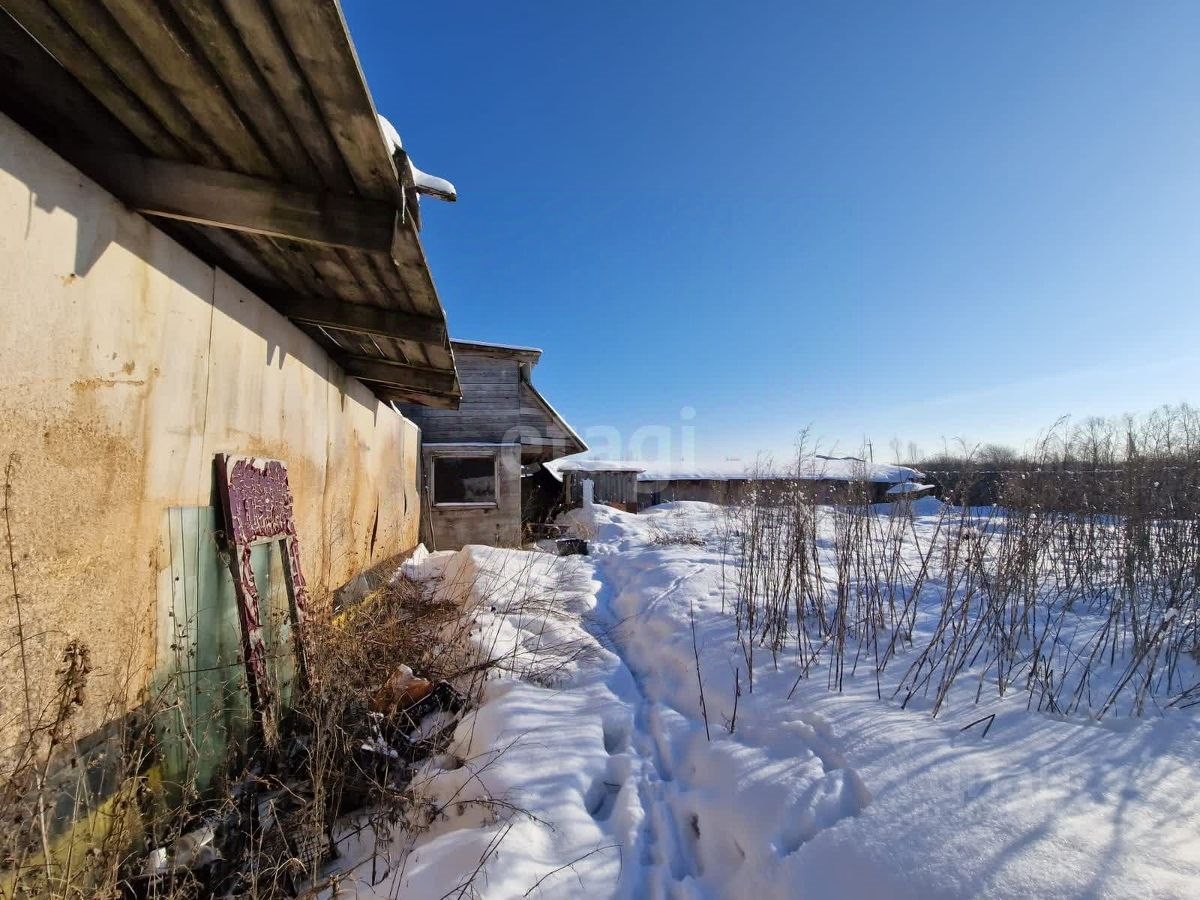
(493, 455)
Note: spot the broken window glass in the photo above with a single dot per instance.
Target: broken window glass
(464, 479)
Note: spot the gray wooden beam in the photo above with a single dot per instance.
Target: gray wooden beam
(229, 200)
(401, 375)
(360, 319)
(434, 401)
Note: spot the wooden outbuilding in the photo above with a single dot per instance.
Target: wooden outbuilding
(473, 457)
(611, 483)
(828, 480)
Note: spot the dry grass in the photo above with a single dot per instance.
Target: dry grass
(340, 768)
(271, 813)
(1079, 589)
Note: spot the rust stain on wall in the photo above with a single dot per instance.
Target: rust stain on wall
(90, 384)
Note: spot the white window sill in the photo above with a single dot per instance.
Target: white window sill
(490, 505)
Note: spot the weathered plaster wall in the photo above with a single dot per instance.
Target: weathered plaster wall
(126, 363)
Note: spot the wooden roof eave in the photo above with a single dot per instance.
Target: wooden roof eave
(133, 98)
(553, 448)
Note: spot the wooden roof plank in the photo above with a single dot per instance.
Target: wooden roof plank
(47, 100)
(412, 268)
(346, 285)
(361, 319)
(105, 39)
(380, 269)
(170, 53)
(240, 259)
(294, 269)
(267, 46)
(245, 203)
(266, 87)
(367, 289)
(400, 375)
(385, 271)
(222, 46)
(317, 35)
(433, 401)
(68, 50)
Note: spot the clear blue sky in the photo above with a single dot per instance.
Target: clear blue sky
(923, 220)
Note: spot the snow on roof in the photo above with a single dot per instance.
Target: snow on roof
(390, 135)
(516, 348)
(817, 468)
(848, 468)
(679, 472)
(909, 487)
(425, 183)
(576, 464)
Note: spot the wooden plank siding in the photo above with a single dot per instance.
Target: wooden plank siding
(500, 414)
(490, 407)
(499, 405)
(619, 489)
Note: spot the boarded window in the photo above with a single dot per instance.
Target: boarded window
(464, 479)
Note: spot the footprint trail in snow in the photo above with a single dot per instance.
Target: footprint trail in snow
(719, 817)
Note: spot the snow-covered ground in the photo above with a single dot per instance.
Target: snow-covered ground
(589, 769)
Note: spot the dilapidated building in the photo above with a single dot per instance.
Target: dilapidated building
(208, 251)
(826, 479)
(609, 482)
(473, 457)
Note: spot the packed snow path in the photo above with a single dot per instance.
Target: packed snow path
(719, 811)
(587, 770)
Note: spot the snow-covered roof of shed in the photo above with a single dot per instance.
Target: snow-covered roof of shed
(909, 487)
(850, 469)
(678, 472)
(814, 468)
(577, 464)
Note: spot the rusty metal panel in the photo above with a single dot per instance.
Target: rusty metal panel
(257, 503)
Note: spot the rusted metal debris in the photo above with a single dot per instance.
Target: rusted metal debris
(257, 504)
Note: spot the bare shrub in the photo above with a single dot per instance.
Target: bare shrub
(1078, 587)
(662, 536)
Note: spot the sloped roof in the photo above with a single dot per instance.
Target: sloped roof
(570, 442)
(246, 130)
(583, 464)
(811, 468)
(526, 354)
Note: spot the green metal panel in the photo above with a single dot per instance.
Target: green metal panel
(270, 580)
(201, 672)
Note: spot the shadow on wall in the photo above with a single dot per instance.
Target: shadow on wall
(101, 224)
(67, 117)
